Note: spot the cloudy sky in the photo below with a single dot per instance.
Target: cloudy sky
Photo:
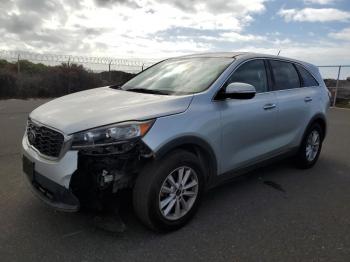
(314, 30)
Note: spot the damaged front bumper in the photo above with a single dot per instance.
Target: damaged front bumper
(48, 191)
(86, 177)
(50, 179)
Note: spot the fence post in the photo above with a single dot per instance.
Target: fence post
(18, 64)
(68, 68)
(336, 87)
(109, 71)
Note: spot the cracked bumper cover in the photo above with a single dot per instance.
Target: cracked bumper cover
(53, 194)
(50, 179)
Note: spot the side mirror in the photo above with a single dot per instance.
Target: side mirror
(238, 90)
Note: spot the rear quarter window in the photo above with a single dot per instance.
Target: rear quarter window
(306, 78)
(285, 75)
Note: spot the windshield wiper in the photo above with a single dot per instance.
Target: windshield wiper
(149, 91)
(115, 86)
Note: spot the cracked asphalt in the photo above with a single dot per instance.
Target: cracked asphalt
(277, 213)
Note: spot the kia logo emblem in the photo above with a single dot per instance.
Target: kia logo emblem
(31, 136)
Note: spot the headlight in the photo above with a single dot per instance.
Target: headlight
(109, 135)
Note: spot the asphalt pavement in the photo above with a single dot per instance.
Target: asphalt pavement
(277, 213)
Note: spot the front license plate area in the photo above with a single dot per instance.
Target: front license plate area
(28, 168)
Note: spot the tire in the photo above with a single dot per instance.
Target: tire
(305, 158)
(147, 195)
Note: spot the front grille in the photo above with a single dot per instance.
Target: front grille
(46, 140)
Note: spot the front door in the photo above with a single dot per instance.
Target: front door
(249, 126)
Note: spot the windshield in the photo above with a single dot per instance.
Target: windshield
(179, 76)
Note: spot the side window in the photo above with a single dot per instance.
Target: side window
(285, 75)
(306, 78)
(253, 73)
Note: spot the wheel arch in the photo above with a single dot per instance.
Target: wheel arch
(319, 119)
(195, 145)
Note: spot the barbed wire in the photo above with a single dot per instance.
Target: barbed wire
(56, 58)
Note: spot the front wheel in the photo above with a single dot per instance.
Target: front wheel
(167, 193)
(310, 147)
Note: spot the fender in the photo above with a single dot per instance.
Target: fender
(318, 116)
(188, 141)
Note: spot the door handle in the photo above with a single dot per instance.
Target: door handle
(269, 106)
(307, 99)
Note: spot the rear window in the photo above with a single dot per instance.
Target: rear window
(285, 75)
(306, 78)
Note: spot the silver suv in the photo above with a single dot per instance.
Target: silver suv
(174, 130)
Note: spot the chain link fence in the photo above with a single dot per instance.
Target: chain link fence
(336, 77)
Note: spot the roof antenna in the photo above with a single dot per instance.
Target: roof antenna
(279, 51)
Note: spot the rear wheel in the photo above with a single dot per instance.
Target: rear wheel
(167, 193)
(310, 147)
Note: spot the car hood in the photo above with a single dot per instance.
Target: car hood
(103, 106)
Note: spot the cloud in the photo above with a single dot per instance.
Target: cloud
(236, 37)
(331, 54)
(23, 16)
(108, 3)
(127, 27)
(43, 7)
(341, 35)
(320, 2)
(314, 15)
(208, 36)
(155, 18)
(159, 28)
(239, 7)
(18, 24)
(192, 6)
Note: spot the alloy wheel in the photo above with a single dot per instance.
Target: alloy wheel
(312, 145)
(178, 193)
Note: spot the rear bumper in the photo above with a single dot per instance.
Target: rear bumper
(53, 194)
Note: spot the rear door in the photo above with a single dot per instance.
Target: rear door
(294, 102)
(248, 126)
